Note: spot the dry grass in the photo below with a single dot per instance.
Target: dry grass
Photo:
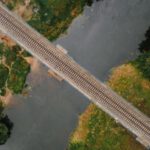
(96, 130)
(127, 81)
(82, 130)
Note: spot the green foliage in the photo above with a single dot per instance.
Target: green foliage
(5, 125)
(145, 45)
(3, 78)
(1, 107)
(3, 133)
(5, 128)
(143, 61)
(26, 54)
(143, 64)
(18, 73)
(101, 131)
(101, 128)
(51, 18)
(77, 146)
(12, 4)
(14, 70)
(54, 17)
(105, 134)
(1, 50)
(10, 56)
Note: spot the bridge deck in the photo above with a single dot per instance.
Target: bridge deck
(58, 61)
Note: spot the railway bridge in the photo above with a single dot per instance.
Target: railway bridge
(63, 65)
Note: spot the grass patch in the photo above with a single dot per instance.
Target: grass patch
(127, 81)
(100, 131)
(54, 17)
(3, 78)
(51, 18)
(13, 69)
(18, 73)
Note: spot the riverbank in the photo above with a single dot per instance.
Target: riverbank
(50, 18)
(95, 129)
(45, 118)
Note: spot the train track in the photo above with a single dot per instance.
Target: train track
(127, 115)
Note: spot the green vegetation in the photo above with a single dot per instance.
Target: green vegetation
(96, 130)
(13, 69)
(5, 126)
(3, 76)
(49, 17)
(3, 133)
(52, 18)
(142, 63)
(17, 76)
(145, 45)
(12, 4)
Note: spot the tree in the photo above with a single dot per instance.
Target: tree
(143, 64)
(3, 133)
(145, 45)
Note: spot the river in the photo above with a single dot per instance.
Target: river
(106, 35)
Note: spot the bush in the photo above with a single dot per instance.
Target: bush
(18, 73)
(145, 45)
(77, 146)
(5, 125)
(143, 64)
(3, 78)
(3, 133)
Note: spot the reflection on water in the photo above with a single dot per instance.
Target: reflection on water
(104, 36)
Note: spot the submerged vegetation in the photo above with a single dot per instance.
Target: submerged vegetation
(98, 131)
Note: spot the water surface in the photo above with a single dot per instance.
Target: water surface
(106, 35)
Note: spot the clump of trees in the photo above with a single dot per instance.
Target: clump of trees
(90, 2)
(144, 46)
(143, 61)
(77, 146)
(5, 126)
(52, 18)
(17, 76)
(3, 78)
(13, 69)
(143, 64)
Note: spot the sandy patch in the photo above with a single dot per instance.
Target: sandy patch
(25, 11)
(7, 98)
(82, 130)
(6, 40)
(34, 63)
